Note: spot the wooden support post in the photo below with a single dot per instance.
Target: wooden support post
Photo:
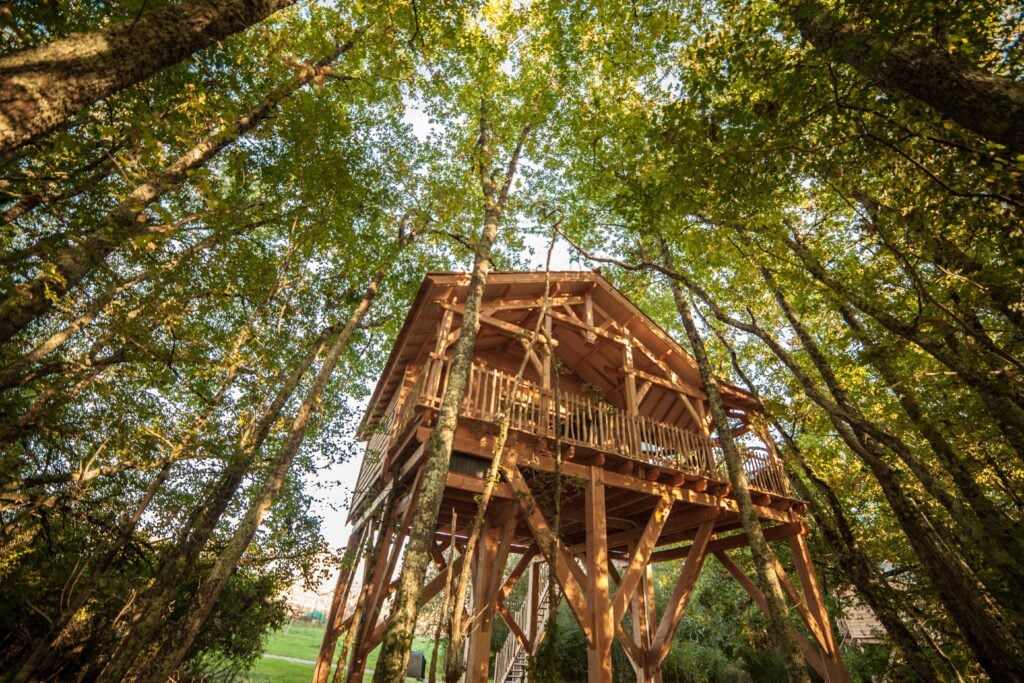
(599, 655)
(588, 303)
(632, 404)
(336, 617)
(380, 584)
(443, 327)
(485, 566)
(651, 672)
(374, 558)
(816, 604)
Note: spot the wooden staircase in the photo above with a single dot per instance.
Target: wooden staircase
(512, 663)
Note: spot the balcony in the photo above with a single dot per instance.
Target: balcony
(574, 420)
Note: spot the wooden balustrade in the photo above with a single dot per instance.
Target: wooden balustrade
(574, 419)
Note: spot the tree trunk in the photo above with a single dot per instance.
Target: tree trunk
(394, 652)
(982, 533)
(14, 373)
(1000, 540)
(41, 87)
(862, 572)
(991, 106)
(781, 629)
(60, 624)
(153, 605)
(455, 664)
(171, 652)
(838, 534)
(991, 638)
(73, 263)
(996, 391)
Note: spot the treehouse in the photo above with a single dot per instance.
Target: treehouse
(610, 465)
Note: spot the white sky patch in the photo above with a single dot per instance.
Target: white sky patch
(417, 119)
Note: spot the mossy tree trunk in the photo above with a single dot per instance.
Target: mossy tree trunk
(394, 653)
(41, 87)
(782, 630)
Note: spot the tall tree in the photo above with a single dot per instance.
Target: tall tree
(72, 263)
(495, 187)
(40, 88)
(915, 64)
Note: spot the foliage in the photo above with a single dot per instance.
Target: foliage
(852, 245)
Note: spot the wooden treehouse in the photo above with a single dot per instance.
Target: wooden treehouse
(611, 402)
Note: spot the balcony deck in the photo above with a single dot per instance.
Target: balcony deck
(578, 423)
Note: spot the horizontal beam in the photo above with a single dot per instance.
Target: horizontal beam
(465, 482)
(773, 533)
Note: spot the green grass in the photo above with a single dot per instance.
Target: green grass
(299, 640)
(268, 670)
(303, 642)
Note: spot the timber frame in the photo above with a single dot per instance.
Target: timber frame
(616, 407)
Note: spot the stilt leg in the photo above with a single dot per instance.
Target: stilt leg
(599, 655)
(816, 604)
(337, 614)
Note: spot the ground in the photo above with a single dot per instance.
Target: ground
(302, 642)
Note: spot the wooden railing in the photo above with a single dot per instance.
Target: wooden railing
(574, 419)
(384, 433)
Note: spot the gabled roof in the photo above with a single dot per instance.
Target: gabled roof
(659, 352)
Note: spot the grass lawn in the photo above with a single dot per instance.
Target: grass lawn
(303, 642)
(299, 640)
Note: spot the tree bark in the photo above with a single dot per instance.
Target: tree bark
(1000, 540)
(455, 666)
(992, 639)
(14, 373)
(982, 533)
(781, 629)
(394, 652)
(992, 386)
(72, 263)
(60, 624)
(838, 533)
(991, 106)
(40, 88)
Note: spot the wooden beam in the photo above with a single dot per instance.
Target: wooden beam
(465, 482)
(772, 533)
(528, 456)
(800, 605)
(511, 328)
(816, 604)
(568, 578)
(534, 302)
(641, 393)
(435, 585)
(589, 335)
(681, 595)
(640, 557)
(812, 656)
(335, 619)
(514, 627)
(599, 655)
